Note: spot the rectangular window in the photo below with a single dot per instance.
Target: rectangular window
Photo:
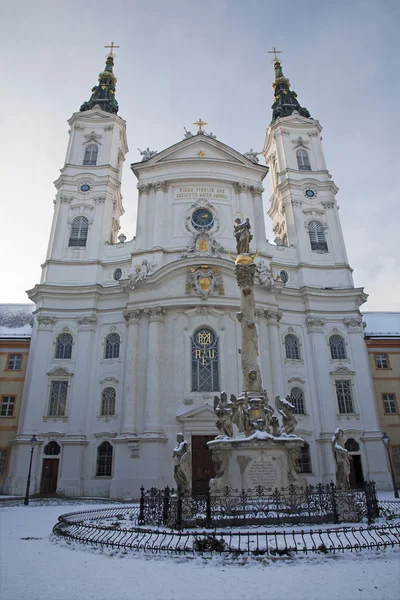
(389, 404)
(7, 406)
(3, 461)
(14, 362)
(58, 398)
(344, 398)
(381, 361)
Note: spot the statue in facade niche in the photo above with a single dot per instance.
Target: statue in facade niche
(342, 460)
(241, 231)
(264, 274)
(141, 272)
(223, 410)
(183, 464)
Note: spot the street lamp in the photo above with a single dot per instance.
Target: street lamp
(386, 442)
(33, 442)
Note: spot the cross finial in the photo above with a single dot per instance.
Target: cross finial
(274, 51)
(200, 124)
(111, 48)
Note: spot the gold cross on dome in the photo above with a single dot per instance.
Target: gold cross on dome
(200, 124)
(111, 48)
(274, 51)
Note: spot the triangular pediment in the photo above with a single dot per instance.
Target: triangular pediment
(199, 148)
(204, 412)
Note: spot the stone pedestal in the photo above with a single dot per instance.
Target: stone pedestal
(243, 463)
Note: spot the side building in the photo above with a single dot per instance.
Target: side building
(15, 338)
(382, 337)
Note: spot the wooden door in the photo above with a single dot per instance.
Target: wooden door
(202, 464)
(48, 484)
(356, 478)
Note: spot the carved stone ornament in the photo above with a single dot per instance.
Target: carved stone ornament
(134, 449)
(245, 275)
(139, 273)
(144, 188)
(161, 186)
(353, 324)
(204, 245)
(156, 313)
(204, 281)
(147, 153)
(252, 156)
(264, 275)
(315, 324)
(132, 316)
(46, 323)
(273, 317)
(240, 188)
(87, 323)
(328, 203)
(256, 190)
(92, 136)
(300, 143)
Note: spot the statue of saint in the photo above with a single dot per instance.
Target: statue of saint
(285, 408)
(224, 414)
(342, 460)
(241, 231)
(183, 464)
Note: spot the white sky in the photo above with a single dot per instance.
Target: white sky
(183, 59)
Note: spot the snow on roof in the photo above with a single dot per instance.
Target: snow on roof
(15, 321)
(382, 324)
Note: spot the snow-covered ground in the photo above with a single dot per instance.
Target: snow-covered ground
(41, 568)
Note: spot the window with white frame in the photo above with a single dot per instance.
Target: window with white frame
(305, 459)
(389, 403)
(344, 396)
(337, 346)
(58, 398)
(79, 232)
(316, 233)
(381, 361)
(7, 406)
(303, 161)
(113, 342)
(205, 366)
(292, 347)
(297, 399)
(108, 402)
(91, 153)
(3, 461)
(64, 346)
(14, 362)
(104, 460)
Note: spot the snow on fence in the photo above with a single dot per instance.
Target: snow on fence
(106, 527)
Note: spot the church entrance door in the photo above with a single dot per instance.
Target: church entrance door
(48, 484)
(202, 464)
(356, 478)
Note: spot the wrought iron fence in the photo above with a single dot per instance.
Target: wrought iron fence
(91, 527)
(293, 505)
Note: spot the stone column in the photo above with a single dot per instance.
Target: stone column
(158, 230)
(278, 379)
(130, 374)
(153, 376)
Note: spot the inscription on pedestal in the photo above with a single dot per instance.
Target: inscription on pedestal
(263, 471)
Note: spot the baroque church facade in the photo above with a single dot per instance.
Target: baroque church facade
(133, 338)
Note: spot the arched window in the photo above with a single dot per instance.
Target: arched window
(204, 361)
(352, 445)
(79, 231)
(337, 346)
(303, 161)
(297, 399)
(104, 460)
(52, 449)
(317, 236)
(305, 459)
(113, 343)
(64, 346)
(108, 402)
(292, 347)
(90, 157)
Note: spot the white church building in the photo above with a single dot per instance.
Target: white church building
(133, 338)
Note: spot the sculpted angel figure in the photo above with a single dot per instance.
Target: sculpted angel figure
(183, 463)
(342, 459)
(223, 410)
(285, 408)
(240, 414)
(241, 231)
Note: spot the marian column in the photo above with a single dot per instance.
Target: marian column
(153, 377)
(131, 371)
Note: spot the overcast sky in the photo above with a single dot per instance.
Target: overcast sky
(180, 60)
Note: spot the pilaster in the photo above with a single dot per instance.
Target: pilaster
(154, 374)
(278, 380)
(128, 428)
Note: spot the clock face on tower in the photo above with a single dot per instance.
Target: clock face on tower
(310, 193)
(202, 218)
(85, 187)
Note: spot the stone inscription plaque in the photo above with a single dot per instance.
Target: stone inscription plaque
(263, 471)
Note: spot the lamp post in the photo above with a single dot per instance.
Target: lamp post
(386, 442)
(33, 442)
